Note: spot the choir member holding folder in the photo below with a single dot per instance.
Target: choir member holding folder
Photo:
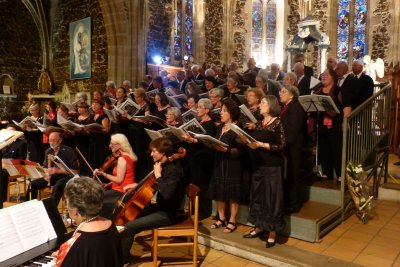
(266, 192)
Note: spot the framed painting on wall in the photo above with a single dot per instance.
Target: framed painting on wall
(80, 49)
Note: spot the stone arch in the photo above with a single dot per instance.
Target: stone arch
(126, 37)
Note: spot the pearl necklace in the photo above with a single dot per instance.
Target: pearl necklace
(83, 223)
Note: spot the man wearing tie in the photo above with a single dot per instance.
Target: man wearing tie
(303, 80)
(366, 83)
(347, 84)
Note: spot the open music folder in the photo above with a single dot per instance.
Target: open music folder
(24, 227)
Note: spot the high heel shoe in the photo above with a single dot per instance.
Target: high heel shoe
(270, 244)
(251, 235)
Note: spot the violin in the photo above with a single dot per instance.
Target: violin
(131, 204)
(110, 160)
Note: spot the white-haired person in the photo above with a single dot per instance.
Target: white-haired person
(123, 174)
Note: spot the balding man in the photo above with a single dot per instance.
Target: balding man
(348, 85)
(365, 82)
(299, 58)
(55, 176)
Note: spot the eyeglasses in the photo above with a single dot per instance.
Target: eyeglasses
(113, 144)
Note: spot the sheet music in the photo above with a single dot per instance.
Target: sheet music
(23, 227)
(240, 131)
(60, 163)
(8, 136)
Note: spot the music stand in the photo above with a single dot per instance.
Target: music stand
(318, 103)
(6, 138)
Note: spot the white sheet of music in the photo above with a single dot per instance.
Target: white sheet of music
(23, 227)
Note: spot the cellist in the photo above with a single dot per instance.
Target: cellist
(122, 175)
(170, 190)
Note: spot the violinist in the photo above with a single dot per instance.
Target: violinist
(56, 177)
(170, 193)
(122, 175)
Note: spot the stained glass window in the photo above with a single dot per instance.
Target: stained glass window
(360, 22)
(183, 29)
(263, 31)
(358, 48)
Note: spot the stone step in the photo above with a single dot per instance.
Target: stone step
(389, 191)
(326, 191)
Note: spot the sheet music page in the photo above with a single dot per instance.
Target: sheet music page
(27, 224)
(10, 244)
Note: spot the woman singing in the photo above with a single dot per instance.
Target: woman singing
(123, 173)
(266, 192)
(96, 241)
(226, 186)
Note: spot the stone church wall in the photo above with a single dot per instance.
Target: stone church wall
(20, 53)
(70, 11)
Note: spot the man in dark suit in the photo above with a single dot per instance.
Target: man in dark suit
(308, 71)
(276, 73)
(365, 82)
(303, 80)
(180, 76)
(251, 65)
(349, 85)
(197, 77)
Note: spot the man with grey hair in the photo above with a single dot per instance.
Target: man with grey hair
(127, 85)
(303, 80)
(365, 82)
(276, 74)
(347, 84)
(196, 75)
(110, 88)
(252, 66)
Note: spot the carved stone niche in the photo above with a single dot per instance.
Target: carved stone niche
(68, 96)
(6, 84)
(311, 42)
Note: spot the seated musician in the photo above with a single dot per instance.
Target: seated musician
(96, 241)
(170, 193)
(16, 150)
(56, 177)
(123, 173)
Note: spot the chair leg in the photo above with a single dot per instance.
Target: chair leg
(154, 249)
(194, 251)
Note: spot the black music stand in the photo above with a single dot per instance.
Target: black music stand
(317, 103)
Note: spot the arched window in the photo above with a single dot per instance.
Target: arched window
(263, 37)
(183, 34)
(351, 29)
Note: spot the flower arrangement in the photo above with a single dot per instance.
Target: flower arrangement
(359, 191)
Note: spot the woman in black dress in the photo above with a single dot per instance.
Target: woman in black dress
(98, 140)
(201, 156)
(161, 105)
(82, 137)
(138, 138)
(266, 193)
(226, 180)
(34, 138)
(293, 118)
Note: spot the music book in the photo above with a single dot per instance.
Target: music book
(50, 129)
(27, 123)
(239, 131)
(151, 118)
(153, 134)
(204, 95)
(72, 126)
(179, 101)
(8, 136)
(249, 117)
(129, 107)
(311, 103)
(112, 114)
(72, 107)
(28, 168)
(207, 139)
(59, 163)
(23, 227)
(151, 94)
(189, 115)
(194, 126)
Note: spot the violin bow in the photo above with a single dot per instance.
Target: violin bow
(87, 164)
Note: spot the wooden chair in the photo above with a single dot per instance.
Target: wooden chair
(188, 227)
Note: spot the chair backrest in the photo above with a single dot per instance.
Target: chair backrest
(192, 193)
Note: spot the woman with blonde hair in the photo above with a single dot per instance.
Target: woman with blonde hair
(123, 174)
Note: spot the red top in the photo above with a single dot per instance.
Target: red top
(129, 174)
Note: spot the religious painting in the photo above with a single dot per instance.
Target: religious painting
(80, 49)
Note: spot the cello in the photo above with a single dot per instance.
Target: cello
(131, 204)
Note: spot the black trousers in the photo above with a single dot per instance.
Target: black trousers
(58, 183)
(330, 153)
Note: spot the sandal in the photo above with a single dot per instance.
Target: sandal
(219, 223)
(229, 229)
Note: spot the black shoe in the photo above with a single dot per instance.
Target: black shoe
(397, 163)
(249, 235)
(269, 244)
